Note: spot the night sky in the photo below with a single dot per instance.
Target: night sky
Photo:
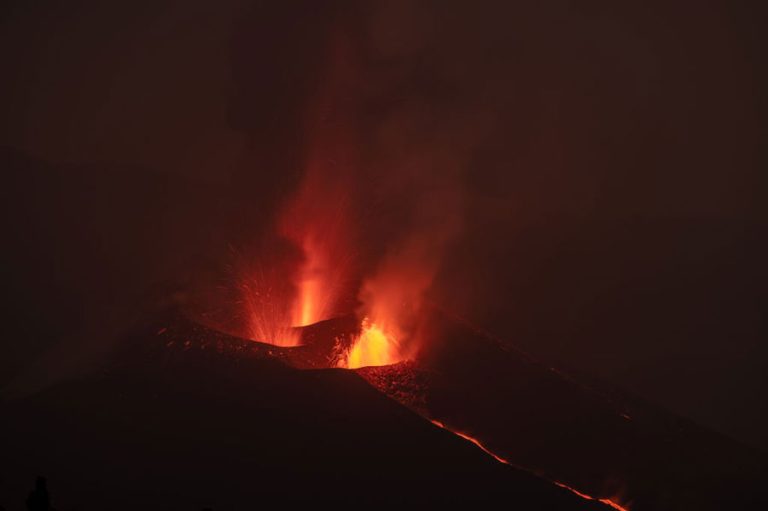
(608, 163)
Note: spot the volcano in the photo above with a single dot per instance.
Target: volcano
(181, 416)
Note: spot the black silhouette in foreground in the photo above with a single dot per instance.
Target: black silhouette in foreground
(39, 499)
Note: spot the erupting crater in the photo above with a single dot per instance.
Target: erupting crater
(373, 346)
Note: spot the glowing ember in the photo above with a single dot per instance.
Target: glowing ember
(607, 502)
(267, 316)
(373, 347)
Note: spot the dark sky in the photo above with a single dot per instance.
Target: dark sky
(610, 159)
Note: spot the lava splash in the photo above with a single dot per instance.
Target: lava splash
(374, 346)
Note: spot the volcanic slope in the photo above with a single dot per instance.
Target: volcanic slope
(182, 417)
(585, 434)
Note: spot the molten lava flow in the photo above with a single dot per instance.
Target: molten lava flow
(372, 347)
(607, 502)
(474, 441)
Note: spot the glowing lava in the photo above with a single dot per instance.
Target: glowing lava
(474, 441)
(607, 502)
(373, 347)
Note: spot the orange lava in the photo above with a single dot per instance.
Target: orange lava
(373, 347)
(474, 441)
(607, 502)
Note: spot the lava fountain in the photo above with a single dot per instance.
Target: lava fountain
(262, 293)
(373, 346)
(316, 221)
